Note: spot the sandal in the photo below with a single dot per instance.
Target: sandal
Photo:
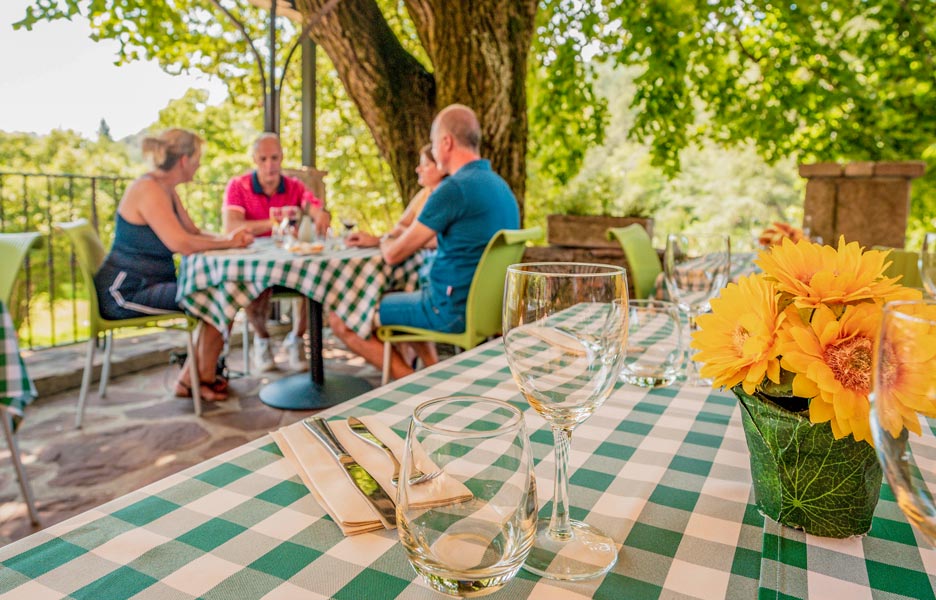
(207, 391)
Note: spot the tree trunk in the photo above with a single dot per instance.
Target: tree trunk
(478, 50)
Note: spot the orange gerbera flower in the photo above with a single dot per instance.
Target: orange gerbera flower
(904, 376)
(738, 339)
(816, 275)
(832, 362)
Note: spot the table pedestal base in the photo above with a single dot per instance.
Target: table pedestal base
(299, 392)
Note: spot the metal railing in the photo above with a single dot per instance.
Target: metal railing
(49, 303)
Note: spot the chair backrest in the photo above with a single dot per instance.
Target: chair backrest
(90, 253)
(486, 294)
(13, 250)
(903, 262)
(643, 262)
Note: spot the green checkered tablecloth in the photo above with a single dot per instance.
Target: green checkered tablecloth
(349, 281)
(664, 472)
(16, 388)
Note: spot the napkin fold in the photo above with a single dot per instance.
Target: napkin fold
(331, 487)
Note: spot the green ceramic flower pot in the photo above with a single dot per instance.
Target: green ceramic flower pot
(803, 477)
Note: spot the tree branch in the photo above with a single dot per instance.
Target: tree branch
(243, 31)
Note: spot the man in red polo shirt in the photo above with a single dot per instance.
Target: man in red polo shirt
(247, 202)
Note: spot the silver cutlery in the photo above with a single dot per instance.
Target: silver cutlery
(364, 481)
(360, 429)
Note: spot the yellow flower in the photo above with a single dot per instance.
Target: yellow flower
(816, 275)
(832, 362)
(904, 377)
(737, 340)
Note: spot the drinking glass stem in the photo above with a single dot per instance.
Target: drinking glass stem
(692, 370)
(559, 526)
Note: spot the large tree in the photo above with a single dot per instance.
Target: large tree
(471, 52)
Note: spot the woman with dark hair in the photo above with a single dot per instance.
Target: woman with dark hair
(138, 276)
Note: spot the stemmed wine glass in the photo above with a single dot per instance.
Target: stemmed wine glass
(349, 223)
(928, 264)
(565, 328)
(468, 529)
(696, 268)
(903, 408)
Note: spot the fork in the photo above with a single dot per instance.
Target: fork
(360, 429)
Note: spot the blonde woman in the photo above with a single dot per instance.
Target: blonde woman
(138, 276)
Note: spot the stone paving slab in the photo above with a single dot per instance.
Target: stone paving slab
(136, 435)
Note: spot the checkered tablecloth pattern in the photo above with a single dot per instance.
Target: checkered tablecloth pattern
(349, 281)
(664, 472)
(16, 388)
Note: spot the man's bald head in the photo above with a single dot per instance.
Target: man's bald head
(460, 122)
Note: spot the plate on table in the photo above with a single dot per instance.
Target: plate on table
(230, 251)
(307, 248)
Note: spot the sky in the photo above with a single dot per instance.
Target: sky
(56, 77)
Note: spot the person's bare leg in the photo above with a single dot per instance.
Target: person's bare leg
(208, 348)
(370, 349)
(258, 312)
(427, 352)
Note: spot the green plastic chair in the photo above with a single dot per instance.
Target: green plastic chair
(89, 253)
(903, 262)
(14, 247)
(643, 262)
(485, 298)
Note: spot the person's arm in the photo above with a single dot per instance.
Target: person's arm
(322, 219)
(362, 239)
(414, 238)
(233, 218)
(154, 206)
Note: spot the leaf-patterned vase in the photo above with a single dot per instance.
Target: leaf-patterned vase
(805, 478)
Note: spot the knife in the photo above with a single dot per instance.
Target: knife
(359, 476)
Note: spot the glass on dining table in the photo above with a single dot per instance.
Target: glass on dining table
(276, 225)
(292, 216)
(696, 268)
(479, 456)
(565, 330)
(903, 408)
(928, 263)
(655, 345)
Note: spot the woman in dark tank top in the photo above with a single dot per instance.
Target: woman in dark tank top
(138, 276)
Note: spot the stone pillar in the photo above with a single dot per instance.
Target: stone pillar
(867, 202)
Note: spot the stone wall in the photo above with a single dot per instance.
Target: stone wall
(867, 202)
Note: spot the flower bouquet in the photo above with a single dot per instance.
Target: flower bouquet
(795, 344)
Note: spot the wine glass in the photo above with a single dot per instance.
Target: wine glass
(903, 408)
(349, 223)
(696, 268)
(928, 263)
(565, 327)
(468, 529)
(291, 218)
(276, 218)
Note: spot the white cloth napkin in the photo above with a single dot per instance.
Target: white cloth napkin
(331, 486)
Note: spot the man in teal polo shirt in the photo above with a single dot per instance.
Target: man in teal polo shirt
(464, 212)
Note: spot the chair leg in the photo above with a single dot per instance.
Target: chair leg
(194, 377)
(246, 345)
(106, 365)
(85, 381)
(385, 376)
(18, 465)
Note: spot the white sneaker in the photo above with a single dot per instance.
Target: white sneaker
(295, 349)
(263, 355)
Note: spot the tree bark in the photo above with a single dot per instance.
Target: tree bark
(478, 50)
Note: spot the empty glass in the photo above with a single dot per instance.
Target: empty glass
(696, 268)
(655, 349)
(565, 328)
(290, 225)
(928, 263)
(903, 408)
(478, 452)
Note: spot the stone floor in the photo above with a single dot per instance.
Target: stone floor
(136, 435)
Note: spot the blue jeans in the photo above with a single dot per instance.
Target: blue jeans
(421, 309)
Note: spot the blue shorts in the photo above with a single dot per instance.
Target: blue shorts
(421, 309)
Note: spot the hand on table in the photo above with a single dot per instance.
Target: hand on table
(240, 237)
(362, 240)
